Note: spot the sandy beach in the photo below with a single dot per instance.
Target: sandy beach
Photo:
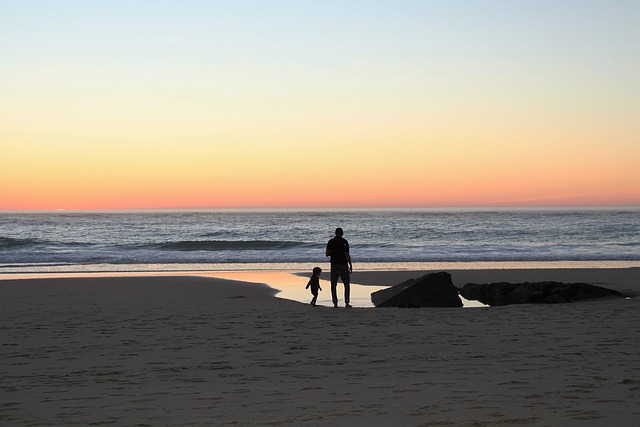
(202, 351)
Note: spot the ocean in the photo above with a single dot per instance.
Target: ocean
(285, 239)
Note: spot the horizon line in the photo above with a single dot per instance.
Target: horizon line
(337, 208)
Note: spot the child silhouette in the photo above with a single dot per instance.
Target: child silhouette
(314, 284)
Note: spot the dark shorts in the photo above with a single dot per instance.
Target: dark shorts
(340, 271)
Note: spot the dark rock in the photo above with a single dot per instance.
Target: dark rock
(432, 290)
(534, 293)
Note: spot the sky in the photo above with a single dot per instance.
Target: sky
(317, 104)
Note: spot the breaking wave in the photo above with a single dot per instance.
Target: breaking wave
(229, 245)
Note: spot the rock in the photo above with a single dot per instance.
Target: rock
(431, 290)
(534, 293)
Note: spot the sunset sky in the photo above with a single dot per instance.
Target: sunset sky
(293, 103)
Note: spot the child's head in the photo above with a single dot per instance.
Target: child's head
(317, 271)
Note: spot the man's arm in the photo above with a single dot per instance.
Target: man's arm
(348, 255)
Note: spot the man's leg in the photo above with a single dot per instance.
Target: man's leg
(334, 283)
(346, 280)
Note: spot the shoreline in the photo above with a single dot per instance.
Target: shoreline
(170, 350)
(13, 269)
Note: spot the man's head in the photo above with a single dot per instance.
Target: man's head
(339, 231)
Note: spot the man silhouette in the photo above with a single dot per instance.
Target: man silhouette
(341, 266)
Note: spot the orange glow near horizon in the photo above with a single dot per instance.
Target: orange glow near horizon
(380, 167)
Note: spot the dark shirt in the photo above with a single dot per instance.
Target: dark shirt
(338, 247)
(314, 284)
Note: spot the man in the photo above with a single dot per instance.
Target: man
(341, 266)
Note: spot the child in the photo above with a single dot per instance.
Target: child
(314, 283)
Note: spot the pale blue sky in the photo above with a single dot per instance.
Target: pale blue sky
(531, 39)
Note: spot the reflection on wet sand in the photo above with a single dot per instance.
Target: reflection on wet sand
(292, 286)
